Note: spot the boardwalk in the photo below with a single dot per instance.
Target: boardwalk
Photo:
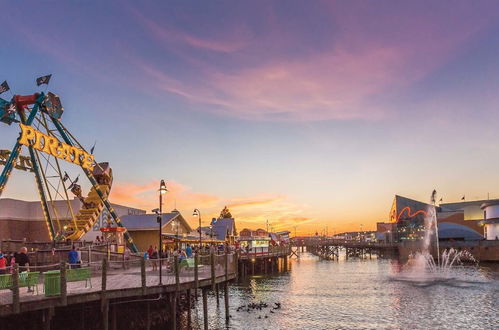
(121, 282)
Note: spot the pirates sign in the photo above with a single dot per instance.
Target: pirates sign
(52, 146)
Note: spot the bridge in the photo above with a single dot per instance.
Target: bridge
(329, 249)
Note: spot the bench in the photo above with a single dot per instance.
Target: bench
(26, 279)
(188, 264)
(29, 279)
(5, 281)
(79, 274)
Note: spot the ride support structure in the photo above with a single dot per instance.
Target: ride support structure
(42, 111)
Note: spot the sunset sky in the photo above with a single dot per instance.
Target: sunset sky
(305, 113)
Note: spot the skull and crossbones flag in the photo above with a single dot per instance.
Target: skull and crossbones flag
(4, 87)
(43, 80)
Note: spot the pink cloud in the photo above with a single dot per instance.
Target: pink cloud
(370, 58)
(226, 43)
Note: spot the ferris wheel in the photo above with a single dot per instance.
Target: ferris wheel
(51, 145)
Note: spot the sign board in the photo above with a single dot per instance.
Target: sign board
(52, 146)
(23, 162)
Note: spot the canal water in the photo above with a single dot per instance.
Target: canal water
(358, 294)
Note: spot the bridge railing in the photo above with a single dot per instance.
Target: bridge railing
(264, 252)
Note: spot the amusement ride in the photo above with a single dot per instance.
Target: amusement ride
(49, 142)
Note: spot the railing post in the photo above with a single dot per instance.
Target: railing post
(143, 275)
(64, 286)
(196, 271)
(15, 289)
(212, 257)
(177, 275)
(236, 264)
(104, 274)
(226, 259)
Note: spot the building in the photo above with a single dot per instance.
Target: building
(284, 235)
(456, 221)
(144, 228)
(253, 233)
(24, 220)
(224, 229)
(491, 219)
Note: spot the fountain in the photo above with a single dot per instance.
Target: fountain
(422, 267)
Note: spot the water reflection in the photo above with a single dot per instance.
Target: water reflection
(359, 294)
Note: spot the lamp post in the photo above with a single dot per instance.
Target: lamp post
(177, 225)
(162, 191)
(197, 213)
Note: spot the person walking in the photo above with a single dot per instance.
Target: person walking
(150, 251)
(22, 260)
(78, 251)
(188, 251)
(154, 258)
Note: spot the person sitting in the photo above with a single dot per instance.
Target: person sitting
(73, 257)
(182, 255)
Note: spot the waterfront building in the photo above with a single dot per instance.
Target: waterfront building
(224, 229)
(144, 228)
(24, 220)
(491, 219)
(456, 221)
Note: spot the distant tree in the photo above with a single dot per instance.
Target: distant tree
(225, 214)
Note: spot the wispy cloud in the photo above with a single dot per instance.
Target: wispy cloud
(352, 79)
(226, 42)
(250, 211)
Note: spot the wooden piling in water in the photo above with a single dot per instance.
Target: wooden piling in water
(217, 294)
(174, 310)
(188, 296)
(226, 299)
(205, 308)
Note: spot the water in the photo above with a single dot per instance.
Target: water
(361, 294)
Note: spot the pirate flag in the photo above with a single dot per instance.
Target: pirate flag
(93, 148)
(43, 80)
(4, 87)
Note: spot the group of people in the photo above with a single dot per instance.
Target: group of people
(153, 254)
(21, 258)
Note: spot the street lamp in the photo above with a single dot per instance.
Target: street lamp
(162, 191)
(197, 213)
(177, 223)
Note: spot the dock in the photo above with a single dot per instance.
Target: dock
(111, 283)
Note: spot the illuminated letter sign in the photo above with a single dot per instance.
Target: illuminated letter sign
(52, 146)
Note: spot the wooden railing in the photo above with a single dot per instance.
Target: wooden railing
(119, 276)
(264, 252)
